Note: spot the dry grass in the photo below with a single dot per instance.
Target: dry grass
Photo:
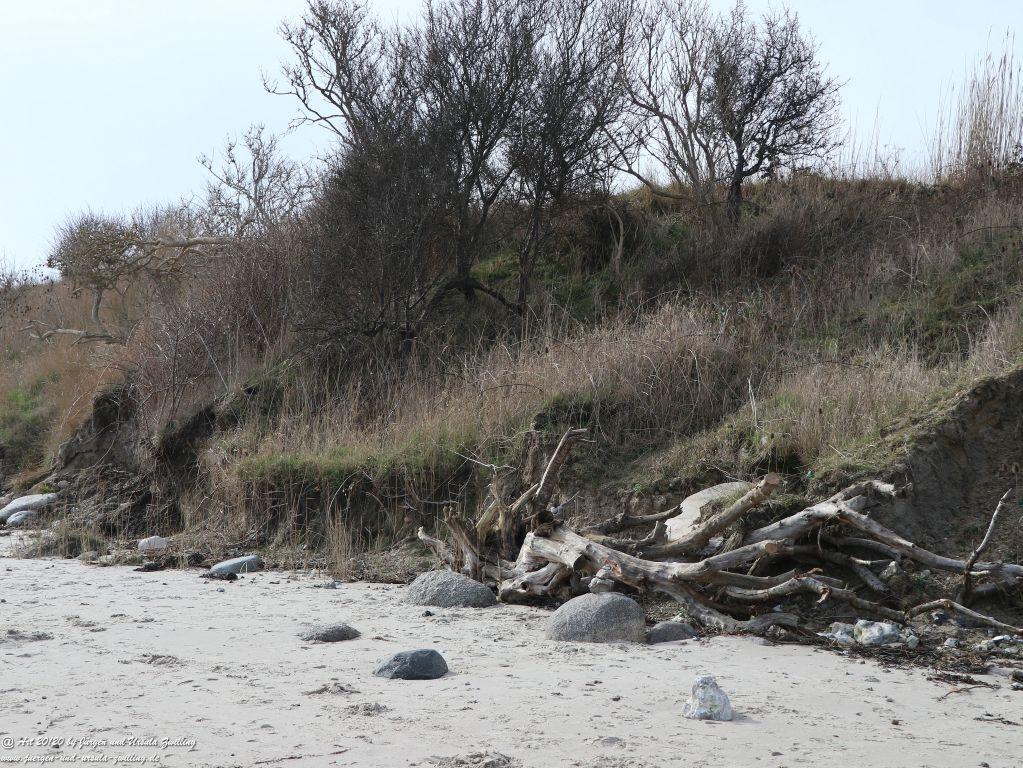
(981, 135)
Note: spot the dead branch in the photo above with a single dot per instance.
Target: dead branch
(951, 605)
(439, 548)
(550, 474)
(625, 520)
(721, 590)
(967, 591)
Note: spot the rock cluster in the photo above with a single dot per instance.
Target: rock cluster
(873, 633)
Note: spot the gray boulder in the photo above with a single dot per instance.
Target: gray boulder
(332, 633)
(245, 564)
(598, 618)
(669, 631)
(34, 502)
(447, 589)
(424, 664)
(21, 518)
(707, 701)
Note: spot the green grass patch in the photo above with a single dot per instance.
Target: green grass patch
(25, 417)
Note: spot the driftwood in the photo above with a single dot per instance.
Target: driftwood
(729, 582)
(967, 591)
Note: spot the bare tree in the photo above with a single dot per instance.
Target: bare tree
(567, 116)
(722, 99)
(255, 188)
(667, 84)
(342, 70)
(455, 79)
(770, 99)
(376, 256)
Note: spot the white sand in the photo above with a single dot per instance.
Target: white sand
(238, 680)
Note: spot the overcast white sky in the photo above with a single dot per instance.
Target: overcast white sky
(107, 103)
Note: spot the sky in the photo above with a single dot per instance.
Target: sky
(107, 104)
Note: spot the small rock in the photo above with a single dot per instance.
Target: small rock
(669, 631)
(333, 633)
(33, 502)
(245, 564)
(707, 701)
(951, 642)
(602, 581)
(424, 664)
(447, 589)
(19, 519)
(598, 618)
(895, 577)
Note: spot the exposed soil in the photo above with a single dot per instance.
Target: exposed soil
(960, 467)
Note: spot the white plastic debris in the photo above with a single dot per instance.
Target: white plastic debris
(153, 544)
(875, 633)
(707, 701)
(840, 633)
(1007, 644)
(891, 571)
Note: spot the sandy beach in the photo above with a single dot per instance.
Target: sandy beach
(166, 668)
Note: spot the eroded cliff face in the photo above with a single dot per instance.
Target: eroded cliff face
(957, 463)
(960, 466)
